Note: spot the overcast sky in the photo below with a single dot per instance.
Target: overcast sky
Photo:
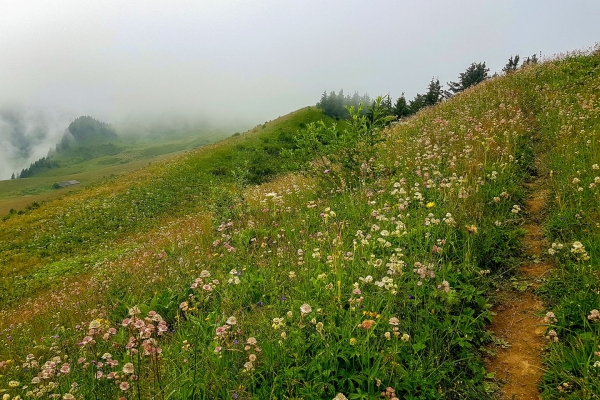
(255, 60)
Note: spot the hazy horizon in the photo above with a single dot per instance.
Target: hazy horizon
(234, 63)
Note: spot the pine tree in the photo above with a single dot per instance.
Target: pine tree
(321, 104)
(340, 111)
(13, 176)
(329, 106)
(386, 104)
(401, 108)
(417, 103)
(434, 93)
(474, 74)
(511, 65)
(531, 60)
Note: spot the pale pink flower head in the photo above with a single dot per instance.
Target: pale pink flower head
(550, 317)
(124, 386)
(65, 369)
(157, 317)
(231, 320)
(221, 330)
(394, 321)
(204, 274)
(135, 310)
(305, 309)
(95, 324)
(251, 341)
(162, 327)
(128, 368)
(87, 340)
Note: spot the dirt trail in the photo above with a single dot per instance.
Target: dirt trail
(518, 325)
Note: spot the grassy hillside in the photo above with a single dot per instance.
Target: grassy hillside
(244, 271)
(66, 234)
(90, 163)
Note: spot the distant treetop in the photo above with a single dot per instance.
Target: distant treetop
(474, 74)
(86, 127)
(333, 104)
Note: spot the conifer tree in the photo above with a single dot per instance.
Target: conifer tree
(434, 93)
(474, 74)
(511, 65)
(531, 60)
(417, 103)
(401, 107)
(386, 104)
(321, 104)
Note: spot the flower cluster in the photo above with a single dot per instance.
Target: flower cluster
(389, 393)
(226, 334)
(424, 271)
(594, 316)
(144, 332)
(578, 250)
(388, 284)
(251, 350)
(550, 318)
(552, 335)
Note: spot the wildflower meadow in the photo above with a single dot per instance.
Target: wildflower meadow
(362, 266)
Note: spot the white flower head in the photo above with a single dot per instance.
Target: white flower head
(305, 309)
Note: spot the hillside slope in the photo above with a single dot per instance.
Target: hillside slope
(67, 233)
(366, 274)
(92, 160)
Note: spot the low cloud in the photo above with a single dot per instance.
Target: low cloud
(26, 135)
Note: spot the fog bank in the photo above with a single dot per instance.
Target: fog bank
(242, 62)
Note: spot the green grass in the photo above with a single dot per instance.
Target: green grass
(282, 267)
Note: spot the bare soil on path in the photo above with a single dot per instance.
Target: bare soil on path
(518, 323)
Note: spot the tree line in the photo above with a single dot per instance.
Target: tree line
(334, 105)
(40, 165)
